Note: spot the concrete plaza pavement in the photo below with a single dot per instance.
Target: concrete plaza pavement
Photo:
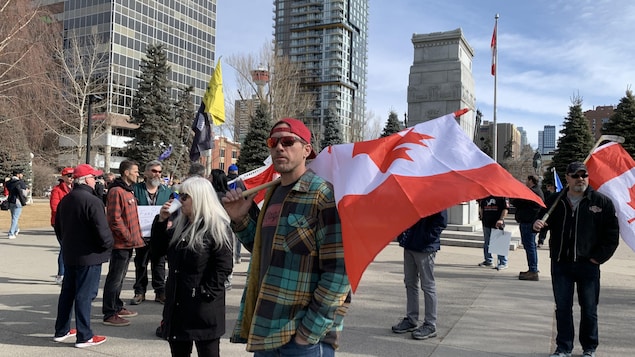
(481, 312)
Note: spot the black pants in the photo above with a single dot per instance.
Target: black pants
(209, 348)
(144, 255)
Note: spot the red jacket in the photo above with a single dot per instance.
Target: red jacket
(123, 218)
(57, 194)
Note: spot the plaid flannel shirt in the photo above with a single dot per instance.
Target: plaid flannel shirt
(305, 289)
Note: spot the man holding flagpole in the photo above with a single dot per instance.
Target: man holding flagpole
(297, 291)
(584, 234)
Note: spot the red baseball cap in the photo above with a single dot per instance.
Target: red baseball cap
(296, 127)
(85, 170)
(66, 171)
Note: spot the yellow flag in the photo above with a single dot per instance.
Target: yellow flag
(214, 99)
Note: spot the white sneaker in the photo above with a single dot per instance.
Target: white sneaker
(501, 267)
(17, 232)
(59, 279)
(96, 340)
(12, 236)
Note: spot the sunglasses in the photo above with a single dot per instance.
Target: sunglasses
(286, 141)
(69, 175)
(156, 171)
(577, 176)
(183, 197)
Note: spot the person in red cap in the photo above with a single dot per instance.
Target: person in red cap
(298, 291)
(57, 193)
(80, 223)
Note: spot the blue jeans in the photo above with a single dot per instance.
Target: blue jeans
(117, 269)
(528, 238)
(418, 269)
(60, 258)
(586, 276)
(16, 211)
(79, 287)
(487, 233)
(292, 349)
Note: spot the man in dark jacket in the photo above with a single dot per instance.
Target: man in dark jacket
(526, 214)
(81, 224)
(421, 243)
(584, 233)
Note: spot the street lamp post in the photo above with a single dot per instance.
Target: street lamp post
(92, 98)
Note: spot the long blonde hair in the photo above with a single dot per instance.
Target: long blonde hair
(208, 216)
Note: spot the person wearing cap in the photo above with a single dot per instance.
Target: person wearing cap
(584, 233)
(18, 192)
(57, 193)
(526, 214)
(123, 220)
(81, 225)
(297, 292)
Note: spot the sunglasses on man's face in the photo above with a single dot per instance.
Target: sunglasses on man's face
(577, 176)
(154, 171)
(286, 141)
(69, 175)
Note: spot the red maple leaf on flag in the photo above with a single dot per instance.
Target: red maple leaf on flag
(631, 191)
(385, 151)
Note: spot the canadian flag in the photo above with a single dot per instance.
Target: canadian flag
(258, 177)
(383, 186)
(494, 48)
(612, 172)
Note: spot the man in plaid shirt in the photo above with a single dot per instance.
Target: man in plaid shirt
(123, 220)
(297, 289)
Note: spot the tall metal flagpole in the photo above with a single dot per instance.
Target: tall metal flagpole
(495, 73)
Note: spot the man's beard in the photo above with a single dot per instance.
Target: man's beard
(580, 188)
(155, 182)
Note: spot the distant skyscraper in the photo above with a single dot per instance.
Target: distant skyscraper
(187, 29)
(547, 140)
(329, 40)
(523, 137)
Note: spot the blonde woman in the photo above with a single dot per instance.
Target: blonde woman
(199, 249)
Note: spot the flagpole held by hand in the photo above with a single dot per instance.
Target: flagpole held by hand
(253, 190)
(603, 138)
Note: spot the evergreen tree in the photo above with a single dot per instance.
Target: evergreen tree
(392, 126)
(576, 140)
(151, 109)
(253, 150)
(622, 122)
(332, 134)
(179, 161)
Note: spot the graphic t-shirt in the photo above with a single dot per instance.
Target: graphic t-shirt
(269, 225)
(492, 208)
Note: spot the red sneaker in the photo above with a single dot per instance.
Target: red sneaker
(96, 340)
(69, 334)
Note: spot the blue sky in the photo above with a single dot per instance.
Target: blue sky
(548, 51)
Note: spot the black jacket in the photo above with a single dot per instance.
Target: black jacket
(195, 289)
(593, 227)
(81, 224)
(425, 235)
(16, 188)
(527, 211)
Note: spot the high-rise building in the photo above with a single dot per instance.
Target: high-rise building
(598, 117)
(124, 28)
(329, 41)
(508, 139)
(547, 140)
(523, 137)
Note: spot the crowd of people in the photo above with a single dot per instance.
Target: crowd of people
(297, 291)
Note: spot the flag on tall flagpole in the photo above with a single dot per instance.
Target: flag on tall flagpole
(202, 134)
(164, 155)
(556, 181)
(383, 186)
(493, 45)
(214, 98)
(612, 172)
